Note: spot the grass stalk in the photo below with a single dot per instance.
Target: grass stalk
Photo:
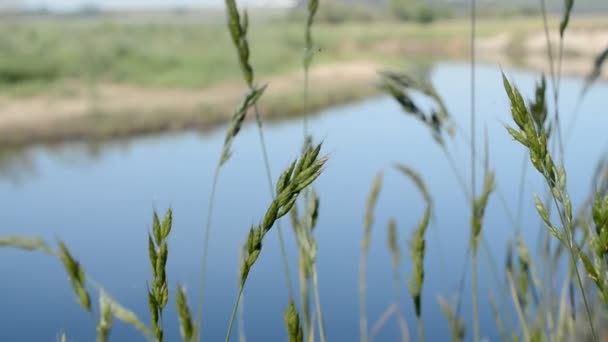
(473, 130)
(533, 136)
(234, 311)
(305, 302)
(234, 128)
(363, 298)
(296, 178)
(475, 299)
(207, 233)
(270, 188)
(420, 329)
(520, 314)
(554, 77)
(321, 324)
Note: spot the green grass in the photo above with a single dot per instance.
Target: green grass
(193, 55)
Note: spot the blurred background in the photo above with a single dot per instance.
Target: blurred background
(110, 109)
(96, 69)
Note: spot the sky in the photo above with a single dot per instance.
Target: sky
(117, 4)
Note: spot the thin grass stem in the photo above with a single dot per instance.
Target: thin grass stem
(362, 297)
(207, 233)
(554, 81)
(520, 314)
(315, 285)
(270, 188)
(475, 299)
(234, 311)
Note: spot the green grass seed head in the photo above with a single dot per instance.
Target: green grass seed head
(292, 322)
(456, 324)
(290, 185)
(76, 275)
(105, 319)
(479, 207)
(238, 32)
(27, 244)
(237, 120)
(126, 316)
(393, 242)
(186, 324)
(369, 211)
(417, 252)
(438, 120)
(158, 252)
(566, 17)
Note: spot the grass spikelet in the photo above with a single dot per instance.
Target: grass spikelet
(418, 182)
(307, 252)
(158, 250)
(535, 140)
(369, 212)
(292, 322)
(126, 316)
(393, 244)
(417, 251)
(479, 208)
(367, 235)
(238, 33)
(595, 73)
(400, 85)
(295, 181)
(566, 17)
(457, 327)
(108, 307)
(105, 319)
(595, 264)
(600, 220)
(28, 244)
(417, 245)
(238, 118)
(538, 107)
(186, 325)
(76, 275)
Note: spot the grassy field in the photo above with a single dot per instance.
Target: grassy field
(192, 55)
(149, 75)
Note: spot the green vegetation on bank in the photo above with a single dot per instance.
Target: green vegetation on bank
(195, 55)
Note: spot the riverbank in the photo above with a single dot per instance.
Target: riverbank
(156, 81)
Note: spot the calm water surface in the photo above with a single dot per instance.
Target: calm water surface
(99, 199)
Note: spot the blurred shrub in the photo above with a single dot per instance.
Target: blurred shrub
(418, 10)
(334, 13)
(17, 70)
(337, 13)
(508, 12)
